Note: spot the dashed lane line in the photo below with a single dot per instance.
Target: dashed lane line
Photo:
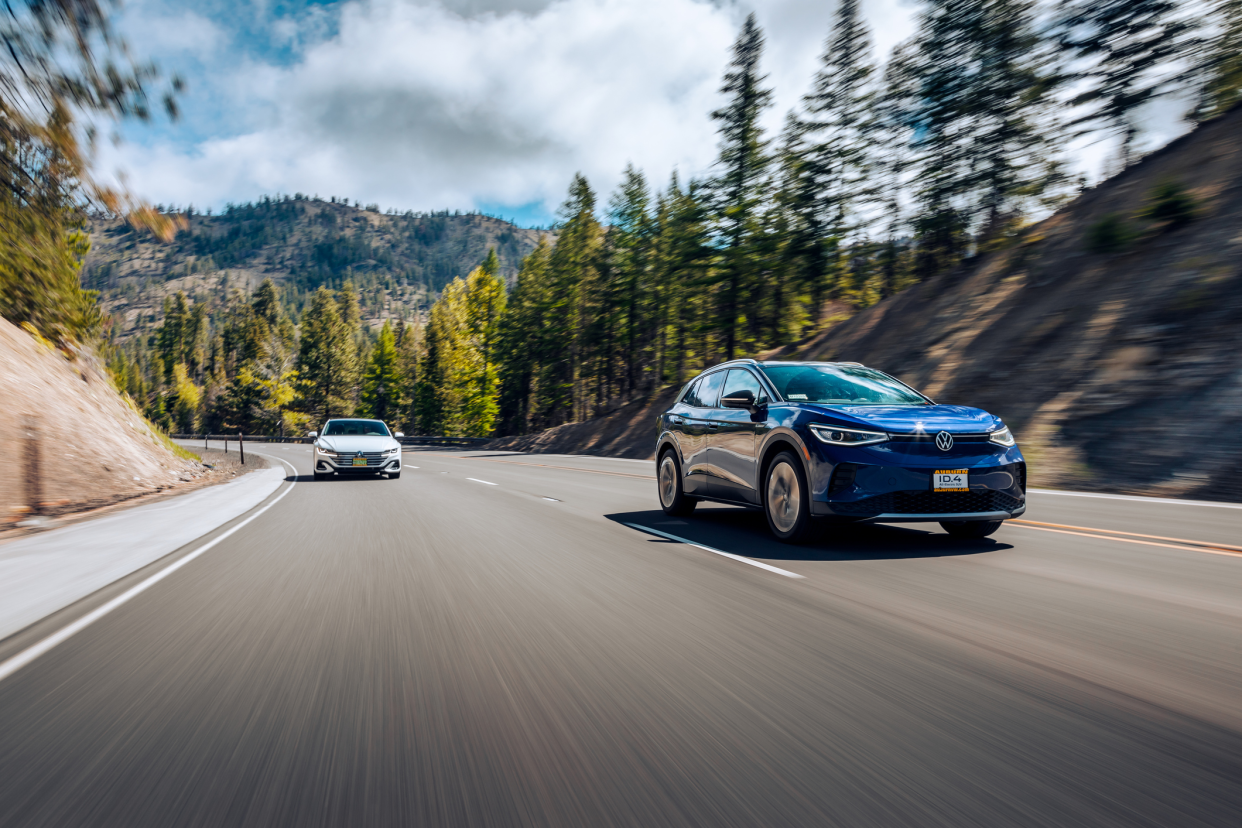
(484, 482)
(722, 553)
(550, 466)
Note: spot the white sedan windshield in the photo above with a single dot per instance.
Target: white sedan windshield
(356, 428)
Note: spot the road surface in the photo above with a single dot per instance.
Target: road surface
(489, 640)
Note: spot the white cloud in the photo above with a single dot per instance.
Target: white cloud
(433, 104)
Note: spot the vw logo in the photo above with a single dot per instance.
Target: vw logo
(944, 441)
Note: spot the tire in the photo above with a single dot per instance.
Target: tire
(673, 498)
(322, 475)
(970, 528)
(787, 499)
(394, 475)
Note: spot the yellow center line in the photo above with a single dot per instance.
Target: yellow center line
(1094, 533)
(1223, 546)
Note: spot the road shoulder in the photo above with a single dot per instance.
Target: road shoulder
(44, 573)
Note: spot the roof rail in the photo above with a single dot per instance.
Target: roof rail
(743, 361)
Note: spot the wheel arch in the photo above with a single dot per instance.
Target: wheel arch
(774, 446)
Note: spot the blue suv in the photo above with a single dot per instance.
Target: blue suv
(837, 440)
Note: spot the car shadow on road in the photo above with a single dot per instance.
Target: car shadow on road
(353, 478)
(745, 532)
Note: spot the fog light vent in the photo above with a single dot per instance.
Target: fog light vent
(842, 478)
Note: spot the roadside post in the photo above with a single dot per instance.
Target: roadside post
(34, 495)
(241, 446)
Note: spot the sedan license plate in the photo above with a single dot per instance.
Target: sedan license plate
(360, 461)
(951, 480)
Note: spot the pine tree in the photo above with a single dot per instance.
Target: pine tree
(574, 281)
(833, 141)
(1014, 134)
(326, 358)
(484, 308)
(1222, 64)
(406, 336)
(382, 383)
(519, 352)
(629, 252)
(742, 181)
(1123, 52)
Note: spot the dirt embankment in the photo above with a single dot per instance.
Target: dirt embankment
(630, 431)
(93, 449)
(1117, 370)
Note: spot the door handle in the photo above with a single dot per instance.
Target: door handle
(712, 426)
(675, 420)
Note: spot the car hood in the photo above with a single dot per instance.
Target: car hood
(350, 445)
(911, 419)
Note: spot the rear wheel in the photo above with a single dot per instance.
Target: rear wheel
(673, 498)
(787, 499)
(970, 528)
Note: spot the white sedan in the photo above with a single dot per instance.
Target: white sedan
(356, 447)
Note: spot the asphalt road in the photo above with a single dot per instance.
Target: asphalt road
(488, 641)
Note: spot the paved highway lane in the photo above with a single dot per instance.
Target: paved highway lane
(487, 641)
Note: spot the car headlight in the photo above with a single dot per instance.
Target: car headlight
(1002, 437)
(396, 450)
(847, 436)
(325, 452)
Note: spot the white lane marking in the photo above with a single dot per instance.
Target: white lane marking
(553, 499)
(484, 482)
(759, 564)
(408, 466)
(17, 662)
(1141, 499)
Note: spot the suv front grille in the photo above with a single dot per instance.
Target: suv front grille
(930, 437)
(929, 503)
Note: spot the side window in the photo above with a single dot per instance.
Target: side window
(689, 398)
(708, 390)
(742, 380)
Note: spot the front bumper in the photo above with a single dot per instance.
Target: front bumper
(904, 495)
(376, 462)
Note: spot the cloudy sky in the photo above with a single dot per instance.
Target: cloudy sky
(452, 104)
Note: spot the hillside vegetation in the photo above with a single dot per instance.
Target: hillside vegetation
(397, 261)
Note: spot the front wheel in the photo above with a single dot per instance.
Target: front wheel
(970, 528)
(394, 475)
(787, 502)
(673, 498)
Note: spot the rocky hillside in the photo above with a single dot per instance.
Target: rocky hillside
(93, 448)
(1107, 337)
(396, 260)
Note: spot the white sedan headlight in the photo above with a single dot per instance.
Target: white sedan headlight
(1002, 437)
(395, 450)
(847, 436)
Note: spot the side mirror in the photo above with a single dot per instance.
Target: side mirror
(399, 434)
(739, 399)
(314, 434)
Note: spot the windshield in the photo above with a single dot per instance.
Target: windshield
(356, 428)
(839, 385)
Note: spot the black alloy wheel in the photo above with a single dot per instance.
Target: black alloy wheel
(970, 528)
(673, 498)
(787, 499)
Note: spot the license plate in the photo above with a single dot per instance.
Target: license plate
(360, 461)
(951, 480)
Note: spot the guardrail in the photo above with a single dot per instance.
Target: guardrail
(405, 441)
